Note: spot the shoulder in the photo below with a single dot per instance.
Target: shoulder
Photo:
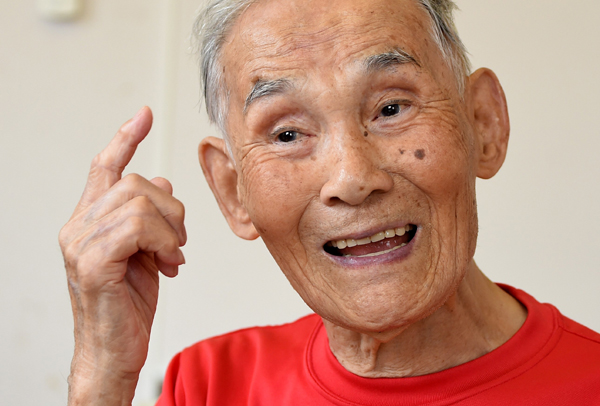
(574, 350)
(580, 347)
(251, 343)
(227, 367)
(549, 314)
(580, 332)
(562, 340)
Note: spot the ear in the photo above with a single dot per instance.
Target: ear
(490, 120)
(222, 179)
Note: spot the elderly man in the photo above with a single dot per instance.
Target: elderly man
(353, 135)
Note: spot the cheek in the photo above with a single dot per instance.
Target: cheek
(436, 157)
(451, 190)
(438, 160)
(275, 193)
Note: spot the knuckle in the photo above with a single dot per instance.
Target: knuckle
(135, 225)
(68, 249)
(85, 279)
(73, 262)
(97, 160)
(103, 161)
(132, 180)
(64, 236)
(142, 205)
(171, 244)
(178, 211)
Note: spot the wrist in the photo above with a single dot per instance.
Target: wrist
(96, 385)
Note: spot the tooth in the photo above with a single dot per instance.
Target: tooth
(400, 231)
(363, 241)
(378, 237)
(374, 254)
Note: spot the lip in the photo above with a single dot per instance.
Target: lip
(393, 256)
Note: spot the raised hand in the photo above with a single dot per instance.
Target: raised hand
(124, 231)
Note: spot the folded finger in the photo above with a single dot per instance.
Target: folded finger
(133, 187)
(99, 256)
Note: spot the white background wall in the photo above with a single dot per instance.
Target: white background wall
(65, 89)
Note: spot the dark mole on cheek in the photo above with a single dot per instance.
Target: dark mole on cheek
(419, 154)
(401, 152)
(366, 134)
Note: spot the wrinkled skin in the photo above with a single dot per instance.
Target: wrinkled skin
(348, 170)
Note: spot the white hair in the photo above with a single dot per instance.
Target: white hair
(215, 21)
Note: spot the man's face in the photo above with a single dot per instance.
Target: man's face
(345, 137)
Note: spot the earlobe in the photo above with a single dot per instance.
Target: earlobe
(491, 122)
(222, 179)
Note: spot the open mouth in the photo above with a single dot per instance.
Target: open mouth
(377, 244)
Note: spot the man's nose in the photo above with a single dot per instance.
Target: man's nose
(354, 172)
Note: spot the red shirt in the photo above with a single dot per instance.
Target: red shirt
(551, 360)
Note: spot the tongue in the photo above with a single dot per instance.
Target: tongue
(373, 247)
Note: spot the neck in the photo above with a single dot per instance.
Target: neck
(478, 318)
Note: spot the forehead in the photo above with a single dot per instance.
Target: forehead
(272, 33)
(291, 38)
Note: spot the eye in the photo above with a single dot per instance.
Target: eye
(391, 110)
(287, 136)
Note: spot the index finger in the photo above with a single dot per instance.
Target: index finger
(107, 167)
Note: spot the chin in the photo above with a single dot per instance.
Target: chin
(386, 311)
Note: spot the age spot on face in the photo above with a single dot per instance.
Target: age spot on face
(401, 152)
(419, 154)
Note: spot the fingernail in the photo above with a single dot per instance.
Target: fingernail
(139, 113)
(128, 125)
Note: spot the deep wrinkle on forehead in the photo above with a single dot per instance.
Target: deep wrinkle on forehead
(264, 88)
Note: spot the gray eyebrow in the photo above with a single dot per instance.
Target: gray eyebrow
(265, 88)
(389, 60)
